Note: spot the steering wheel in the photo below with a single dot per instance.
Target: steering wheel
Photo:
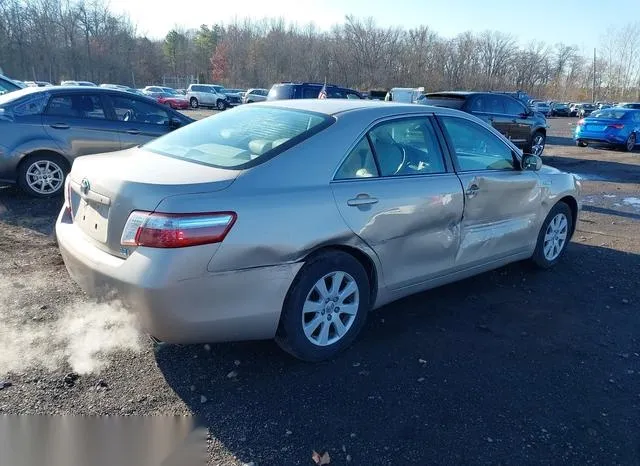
(128, 115)
(404, 162)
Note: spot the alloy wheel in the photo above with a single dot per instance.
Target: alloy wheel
(44, 177)
(538, 145)
(631, 142)
(330, 308)
(555, 237)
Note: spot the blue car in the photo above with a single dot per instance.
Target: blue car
(614, 126)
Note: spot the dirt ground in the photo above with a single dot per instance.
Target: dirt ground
(514, 366)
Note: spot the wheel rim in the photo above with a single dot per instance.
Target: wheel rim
(44, 177)
(555, 237)
(194, 103)
(220, 105)
(330, 308)
(538, 145)
(631, 142)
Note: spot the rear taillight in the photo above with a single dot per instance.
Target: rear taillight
(580, 122)
(162, 230)
(67, 195)
(616, 126)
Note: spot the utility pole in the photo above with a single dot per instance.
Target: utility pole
(593, 92)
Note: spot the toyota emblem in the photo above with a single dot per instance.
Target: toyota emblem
(85, 186)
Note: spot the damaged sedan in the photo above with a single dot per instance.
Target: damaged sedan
(292, 220)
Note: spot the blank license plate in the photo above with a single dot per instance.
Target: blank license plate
(595, 127)
(92, 218)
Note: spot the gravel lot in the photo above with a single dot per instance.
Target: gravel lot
(513, 366)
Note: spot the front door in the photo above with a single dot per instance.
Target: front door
(501, 202)
(78, 123)
(394, 191)
(138, 121)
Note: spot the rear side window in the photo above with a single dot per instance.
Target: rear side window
(240, 138)
(280, 92)
(312, 92)
(31, 105)
(449, 101)
(76, 106)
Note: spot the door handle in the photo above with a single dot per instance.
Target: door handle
(60, 126)
(133, 131)
(362, 199)
(472, 190)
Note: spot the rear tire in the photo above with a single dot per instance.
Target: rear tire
(193, 102)
(553, 237)
(630, 143)
(42, 174)
(309, 328)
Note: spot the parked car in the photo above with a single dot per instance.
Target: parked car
(37, 83)
(603, 105)
(255, 95)
(525, 128)
(122, 88)
(376, 94)
(614, 126)
(291, 90)
(401, 198)
(8, 85)
(634, 105)
(541, 107)
(573, 109)
(560, 109)
(78, 83)
(584, 110)
(43, 129)
(405, 95)
(233, 96)
(173, 99)
(207, 95)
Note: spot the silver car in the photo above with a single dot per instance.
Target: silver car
(293, 219)
(207, 95)
(255, 95)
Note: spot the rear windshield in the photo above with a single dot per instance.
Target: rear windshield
(280, 92)
(240, 138)
(610, 114)
(444, 100)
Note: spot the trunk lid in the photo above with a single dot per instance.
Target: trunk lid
(105, 189)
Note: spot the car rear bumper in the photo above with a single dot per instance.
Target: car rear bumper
(599, 137)
(211, 307)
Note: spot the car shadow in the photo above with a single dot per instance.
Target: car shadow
(560, 141)
(476, 371)
(605, 211)
(19, 209)
(601, 170)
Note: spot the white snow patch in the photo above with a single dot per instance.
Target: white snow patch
(632, 201)
(609, 195)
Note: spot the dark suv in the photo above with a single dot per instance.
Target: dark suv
(526, 129)
(289, 90)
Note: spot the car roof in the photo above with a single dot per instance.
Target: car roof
(71, 90)
(334, 107)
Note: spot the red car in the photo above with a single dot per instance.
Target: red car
(175, 101)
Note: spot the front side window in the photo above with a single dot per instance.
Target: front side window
(407, 147)
(138, 111)
(240, 138)
(76, 106)
(475, 147)
(513, 107)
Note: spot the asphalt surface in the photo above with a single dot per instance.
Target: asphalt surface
(515, 366)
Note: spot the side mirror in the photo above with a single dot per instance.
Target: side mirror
(531, 162)
(174, 123)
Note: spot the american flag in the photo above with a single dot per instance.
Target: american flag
(323, 91)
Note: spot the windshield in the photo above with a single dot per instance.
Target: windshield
(240, 138)
(610, 113)
(218, 89)
(281, 91)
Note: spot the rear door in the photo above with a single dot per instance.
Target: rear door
(502, 203)
(80, 125)
(489, 108)
(137, 121)
(396, 192)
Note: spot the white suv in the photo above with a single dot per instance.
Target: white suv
(207, 95)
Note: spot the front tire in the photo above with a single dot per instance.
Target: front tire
(220, 105)
(193, 102)
(325, 308)
(42, 175)
(553, 236)
(538, 141)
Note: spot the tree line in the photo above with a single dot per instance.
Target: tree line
(54, 40)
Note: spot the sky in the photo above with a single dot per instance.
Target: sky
(574, 22)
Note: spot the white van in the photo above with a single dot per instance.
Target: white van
(405, 95)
